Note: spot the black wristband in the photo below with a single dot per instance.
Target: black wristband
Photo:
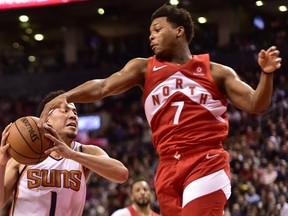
(266, 72)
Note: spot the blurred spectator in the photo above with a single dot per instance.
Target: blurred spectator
(269, 175)
(282, 205)
(251, 197)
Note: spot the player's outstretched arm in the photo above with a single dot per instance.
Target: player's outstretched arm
(92, 157)
(131, 75)
(241, 94)
(98, 161)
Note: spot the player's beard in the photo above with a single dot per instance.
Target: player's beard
(142, 203)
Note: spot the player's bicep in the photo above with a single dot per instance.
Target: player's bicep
(94, 150)
(238, 92)
(131, 75)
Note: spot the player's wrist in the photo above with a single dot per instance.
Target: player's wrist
(71, 155)
(267, 73)
(66, 96)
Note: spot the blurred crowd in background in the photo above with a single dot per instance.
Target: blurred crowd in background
(258, 145)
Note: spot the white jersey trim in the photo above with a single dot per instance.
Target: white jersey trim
(122, 212)
(214, 106)
(203, 186)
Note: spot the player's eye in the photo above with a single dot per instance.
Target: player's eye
(64, 110)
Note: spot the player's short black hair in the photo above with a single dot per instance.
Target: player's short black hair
(138, 180)
(176, 17)
(46, 99)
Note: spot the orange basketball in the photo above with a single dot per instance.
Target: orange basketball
(27, 141)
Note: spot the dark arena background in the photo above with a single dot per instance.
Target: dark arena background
(58, 46)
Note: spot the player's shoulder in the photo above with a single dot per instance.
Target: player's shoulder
(122, 212)
(138, 62)
(221, 70)
(14, 165)
(93, 149)
(221, 74)
(137, 67)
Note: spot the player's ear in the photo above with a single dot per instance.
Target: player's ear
(132, 198)
(180, 31)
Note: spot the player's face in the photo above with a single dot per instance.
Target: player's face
(141, 193)
(163, 38)
(65, 120)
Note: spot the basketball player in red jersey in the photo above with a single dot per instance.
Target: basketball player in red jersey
(141, 198)
(185, 100)
(57, 185)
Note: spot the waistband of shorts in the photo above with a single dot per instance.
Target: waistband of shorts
(180, 155)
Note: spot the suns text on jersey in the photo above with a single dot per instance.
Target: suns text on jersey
(54, 178)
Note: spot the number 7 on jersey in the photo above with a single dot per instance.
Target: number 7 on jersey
(180, 105)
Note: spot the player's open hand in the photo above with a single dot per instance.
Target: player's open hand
(51, 105)
(4, 156)
(269, 60)
(59, 145)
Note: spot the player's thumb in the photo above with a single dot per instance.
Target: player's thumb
(42, 118)
(262, 57)
(262, 54)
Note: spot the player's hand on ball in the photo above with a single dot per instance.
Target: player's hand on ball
(59, 145)
(4, 156)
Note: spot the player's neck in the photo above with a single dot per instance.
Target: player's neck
(143, 210)
(181, 58)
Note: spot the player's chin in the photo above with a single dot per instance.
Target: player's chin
(72, 135)
(143, 203)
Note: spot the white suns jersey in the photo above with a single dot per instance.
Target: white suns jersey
(52, 187)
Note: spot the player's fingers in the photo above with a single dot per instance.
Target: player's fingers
(5, 134)
(6, 128)
(43, 117)
(6, 146)
(48, 151)
(278, 63)
(51, 130)
(274, 53)
(272, 48)
(52, 138)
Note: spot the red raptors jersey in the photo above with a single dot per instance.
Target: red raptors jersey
(133, 212)
(185, 109)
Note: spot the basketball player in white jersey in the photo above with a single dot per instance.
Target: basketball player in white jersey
(56, 186)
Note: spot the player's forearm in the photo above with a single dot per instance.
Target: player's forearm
(89, 91)
(105, 166)
(2, 191)
(262, 97)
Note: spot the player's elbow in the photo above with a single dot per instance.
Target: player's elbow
(123, 175)
(261, 109)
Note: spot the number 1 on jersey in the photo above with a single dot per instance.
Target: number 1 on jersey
(180, 105)
(53, 203)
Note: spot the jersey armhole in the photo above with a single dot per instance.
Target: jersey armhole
(85, 169)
